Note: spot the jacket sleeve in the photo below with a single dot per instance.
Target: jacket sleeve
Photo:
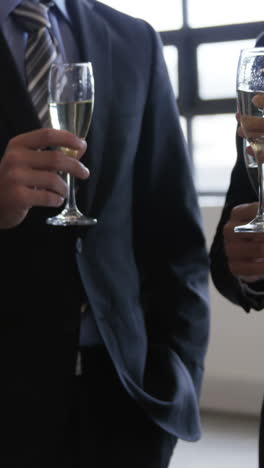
(169, 239)
(240, 191)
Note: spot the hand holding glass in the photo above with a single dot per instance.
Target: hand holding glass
(250, 99)
(71, 102)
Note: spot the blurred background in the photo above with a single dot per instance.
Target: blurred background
(202, 40)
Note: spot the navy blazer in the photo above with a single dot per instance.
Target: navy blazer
(144, 266)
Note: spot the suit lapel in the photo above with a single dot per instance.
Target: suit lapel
(95, 47)
(16, 107)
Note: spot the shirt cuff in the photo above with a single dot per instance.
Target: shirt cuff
(255, 288)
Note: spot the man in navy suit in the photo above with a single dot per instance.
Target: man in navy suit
(237, 259)
(128, 295)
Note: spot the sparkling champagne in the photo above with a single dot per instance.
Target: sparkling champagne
(72, 116)
(251, 104)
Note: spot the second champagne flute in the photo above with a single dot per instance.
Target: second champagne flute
(250, 99)
(71, 102)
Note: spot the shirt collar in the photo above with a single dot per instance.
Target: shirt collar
(7, 6)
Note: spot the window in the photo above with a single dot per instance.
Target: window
(163, 16)
(202, 40)
(202, 13)
(214, 152)
(216, 81)
(171, 58)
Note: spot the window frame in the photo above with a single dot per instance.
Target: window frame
(187, 40)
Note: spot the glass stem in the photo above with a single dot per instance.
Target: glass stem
(71, 200)
(260, 185)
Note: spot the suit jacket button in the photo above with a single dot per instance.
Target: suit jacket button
(79, 245)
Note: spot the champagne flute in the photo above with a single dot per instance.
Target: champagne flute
(250, 99)
(71, 102)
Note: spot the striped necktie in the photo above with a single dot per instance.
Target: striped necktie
(41, 52)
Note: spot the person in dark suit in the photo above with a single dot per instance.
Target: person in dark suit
(127, 296)
(237, 265)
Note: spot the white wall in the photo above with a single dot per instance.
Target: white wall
(234, 375)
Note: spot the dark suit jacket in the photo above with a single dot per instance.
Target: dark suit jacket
(241, 190)
(144, 265)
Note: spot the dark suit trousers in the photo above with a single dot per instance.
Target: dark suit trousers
(86, 421)
(108, 428)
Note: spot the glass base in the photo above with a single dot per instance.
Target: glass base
(257, 226)
(71, 218)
